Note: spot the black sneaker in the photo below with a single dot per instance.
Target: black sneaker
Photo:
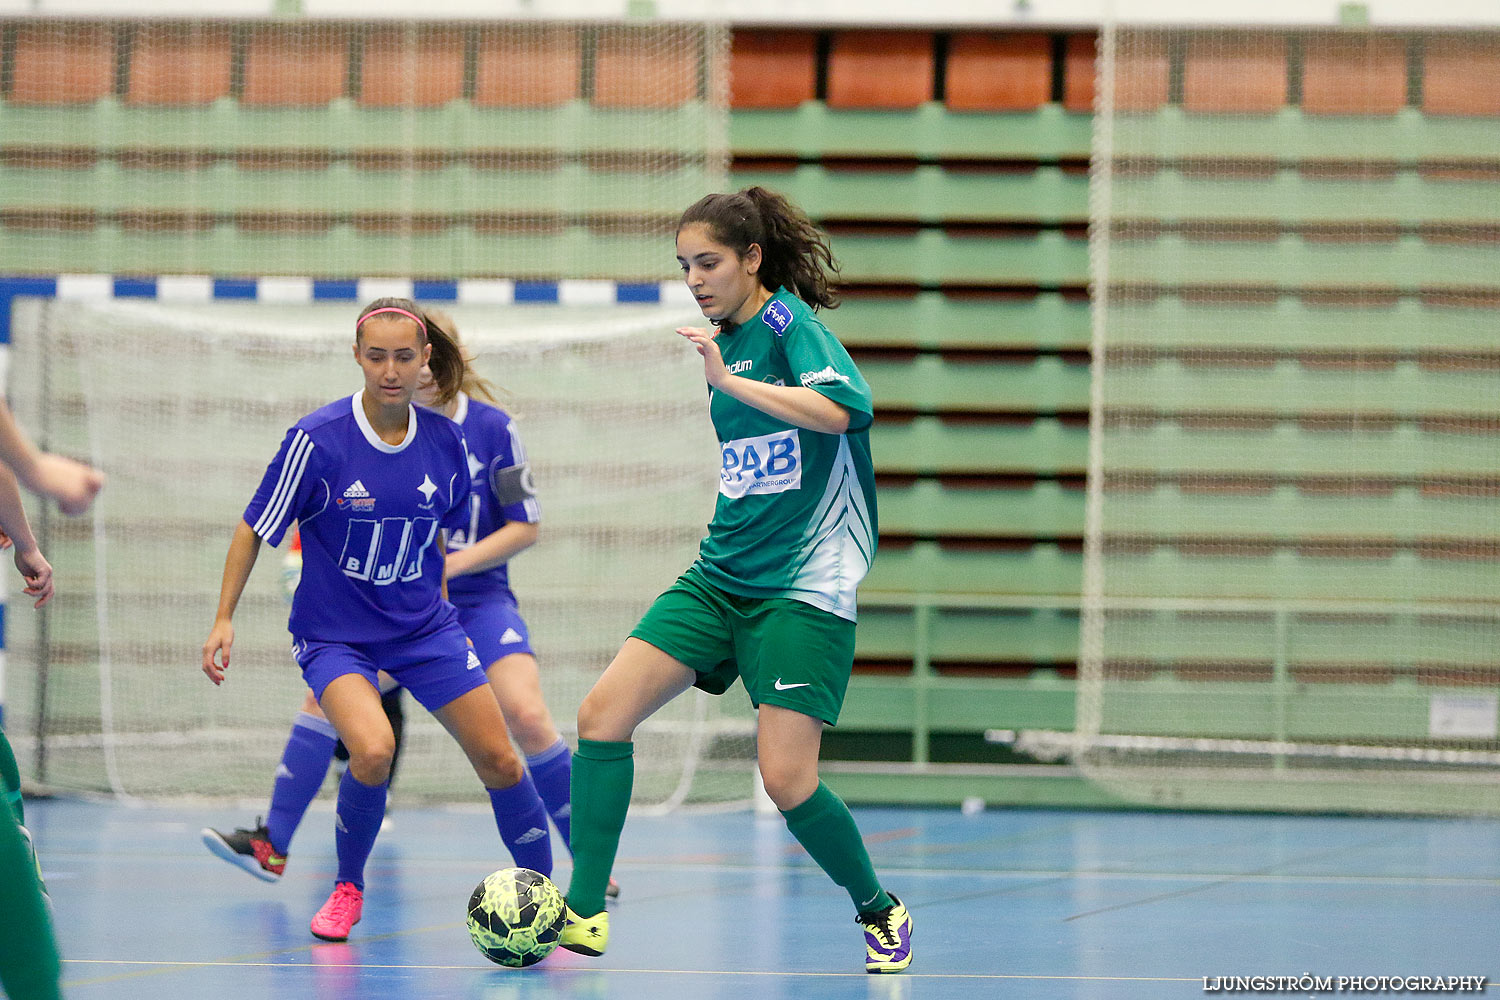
(249, 849)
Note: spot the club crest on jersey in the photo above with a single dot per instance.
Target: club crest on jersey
(427, 489)
(777, 316)
(356, 498)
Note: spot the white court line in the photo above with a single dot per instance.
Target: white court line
(55, 858)
(555, 970)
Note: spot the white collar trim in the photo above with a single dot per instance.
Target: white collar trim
(374, 438)
(461, 412)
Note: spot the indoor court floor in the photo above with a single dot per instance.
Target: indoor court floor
(1008, 903)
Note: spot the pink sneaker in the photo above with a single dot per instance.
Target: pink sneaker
(341, 912)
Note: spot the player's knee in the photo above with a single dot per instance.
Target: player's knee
(596, 722)
(788, 783)
(530, 724)
(370, 761)
(498, 766)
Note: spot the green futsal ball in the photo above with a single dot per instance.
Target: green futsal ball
(516, 916)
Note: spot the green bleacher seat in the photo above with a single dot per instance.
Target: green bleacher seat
(929, 257)
(1409, 642)
(933, 319)
(965, 635)
(1404, 388)
(1289, 136)
(341, 125)
(931, 568)
(1340, 714)
(929, 383)
(1405, 263)
(1285, 573)
(929, 508)
(227, 249)
(457, 191)
(929, 132)
(1341, 323)
(927, 445)
(1405, 514)
(929, 193)
(1292, 198)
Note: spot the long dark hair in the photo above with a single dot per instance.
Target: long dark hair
(794, 252)
(448, 364)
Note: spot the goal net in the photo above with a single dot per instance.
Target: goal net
(183, 405)
(1292, 554)
(388, 147)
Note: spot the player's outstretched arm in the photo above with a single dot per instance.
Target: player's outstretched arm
(498, 547)
(243, 549)
(35, 569)
(72, 484)
(797, 405)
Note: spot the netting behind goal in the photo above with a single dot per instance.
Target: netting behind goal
(184, 405)
(390, 147)
(1293, 540)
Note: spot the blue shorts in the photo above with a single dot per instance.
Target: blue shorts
(436, 668)
(496, 627)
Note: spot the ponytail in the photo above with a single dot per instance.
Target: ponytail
(794, 252)
(441, 325)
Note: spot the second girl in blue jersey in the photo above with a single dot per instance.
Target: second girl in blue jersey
(376, 484)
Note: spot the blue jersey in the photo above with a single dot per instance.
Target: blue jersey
(500, 492)
(370, 512)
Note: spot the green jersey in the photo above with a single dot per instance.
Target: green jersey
(795, 515)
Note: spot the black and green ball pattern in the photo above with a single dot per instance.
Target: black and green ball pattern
(515, 917)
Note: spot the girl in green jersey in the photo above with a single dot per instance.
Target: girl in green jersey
(770, 599)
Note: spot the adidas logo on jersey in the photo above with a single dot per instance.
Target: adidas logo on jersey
(357, 491)
(510, 636)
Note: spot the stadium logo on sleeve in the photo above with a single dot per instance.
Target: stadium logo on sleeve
(825, 377)
(777, 316)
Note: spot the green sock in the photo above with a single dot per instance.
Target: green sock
(603, 773)
(10, 774)
(29, 964)
(824, 826)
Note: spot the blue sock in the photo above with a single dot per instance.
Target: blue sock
(361, 808)
(522, 820)
(304, 764)
(552, 771)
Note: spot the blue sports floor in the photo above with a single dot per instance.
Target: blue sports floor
(1007, 904)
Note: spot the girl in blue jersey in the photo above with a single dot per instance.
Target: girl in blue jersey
(375, 484)
(503, 521)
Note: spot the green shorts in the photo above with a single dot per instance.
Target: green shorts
(788, 653)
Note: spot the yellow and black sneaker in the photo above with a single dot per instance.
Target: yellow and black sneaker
(586, 935)
(887, 937)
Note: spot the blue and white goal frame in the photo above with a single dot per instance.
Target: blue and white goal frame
(294, 290)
